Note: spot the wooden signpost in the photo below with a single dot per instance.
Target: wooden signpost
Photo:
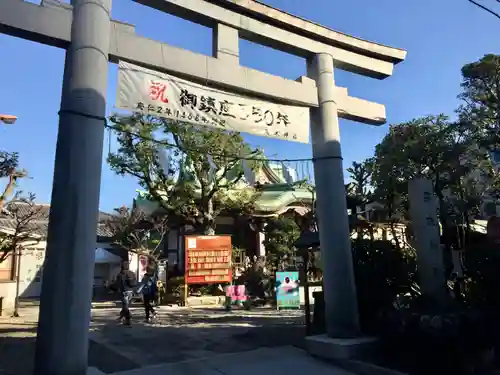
(208, 261)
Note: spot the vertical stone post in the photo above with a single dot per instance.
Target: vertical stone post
(226, 44)
(425, 225)
(342, 320)
(62, 338)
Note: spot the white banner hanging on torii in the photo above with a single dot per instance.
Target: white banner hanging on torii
(160, 94)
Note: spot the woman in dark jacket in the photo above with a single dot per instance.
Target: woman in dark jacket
(125, 283)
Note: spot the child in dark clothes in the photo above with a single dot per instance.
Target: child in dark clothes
(149, 295)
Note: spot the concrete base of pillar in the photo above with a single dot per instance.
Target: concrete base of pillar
(94, 371)
(325, 347)
(352, 355)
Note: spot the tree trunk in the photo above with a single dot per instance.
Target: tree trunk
(442, 206)
(465, 217)
(395, 235)
(384, 234)
(447, 258)
(371, 234)
(10, 186)
(390, 214)
(208, 221)
(467, 227)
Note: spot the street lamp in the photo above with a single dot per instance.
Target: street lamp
(8, 119)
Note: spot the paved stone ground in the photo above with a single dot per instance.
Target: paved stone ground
(263, 361)
(17, 347)
(180, 334)
(190, 333)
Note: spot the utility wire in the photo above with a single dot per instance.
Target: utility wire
(171, 145)
(483, 7)
(233, 157)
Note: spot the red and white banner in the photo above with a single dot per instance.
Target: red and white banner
(160, 94)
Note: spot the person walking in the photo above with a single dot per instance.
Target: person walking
(125, 283)
(160, 292)
(149, 294)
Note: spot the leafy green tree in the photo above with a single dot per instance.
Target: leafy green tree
(8, 168)
(281, 234)
(480, 116)
(360, 187)
(391, 193)
(481, 100)
(8, 163)
(430, 147)
(196, 181)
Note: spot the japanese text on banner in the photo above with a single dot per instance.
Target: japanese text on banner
(162, 95)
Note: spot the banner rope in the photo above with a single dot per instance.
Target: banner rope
(185, 149)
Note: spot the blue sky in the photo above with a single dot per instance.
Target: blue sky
(440, 37)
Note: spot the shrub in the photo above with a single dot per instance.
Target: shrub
(419, 340)
(259, 284)
(383, 273)
(482, 287)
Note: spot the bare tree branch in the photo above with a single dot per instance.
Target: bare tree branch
(18, 225)
(137, 232)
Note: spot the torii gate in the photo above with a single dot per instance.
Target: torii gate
(91, 39)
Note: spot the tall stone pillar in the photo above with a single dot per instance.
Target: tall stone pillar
(62, 338)
(342, 320)
(425, 225)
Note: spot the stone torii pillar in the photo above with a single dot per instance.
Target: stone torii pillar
(62, 337)
(341, 315)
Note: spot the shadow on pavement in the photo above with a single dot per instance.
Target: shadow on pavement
(180, 334)
(187, 334)
(17, 355)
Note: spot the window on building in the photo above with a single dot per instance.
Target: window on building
(7, 269)
(38, 273)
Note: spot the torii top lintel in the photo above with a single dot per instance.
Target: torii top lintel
(260, 23)
(50, 23)
(314, 30)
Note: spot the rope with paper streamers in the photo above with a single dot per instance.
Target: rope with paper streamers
(170, 145)
(287, 170)
(231, 157)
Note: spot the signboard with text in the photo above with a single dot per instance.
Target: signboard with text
(208, 259)
(160, 94)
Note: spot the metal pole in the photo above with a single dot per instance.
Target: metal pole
(18, 282)
(342, 320)
(307, 302)
(62, 338)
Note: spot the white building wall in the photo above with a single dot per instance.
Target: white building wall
(31, 272)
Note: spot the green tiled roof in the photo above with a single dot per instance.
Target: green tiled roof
(273, 197)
